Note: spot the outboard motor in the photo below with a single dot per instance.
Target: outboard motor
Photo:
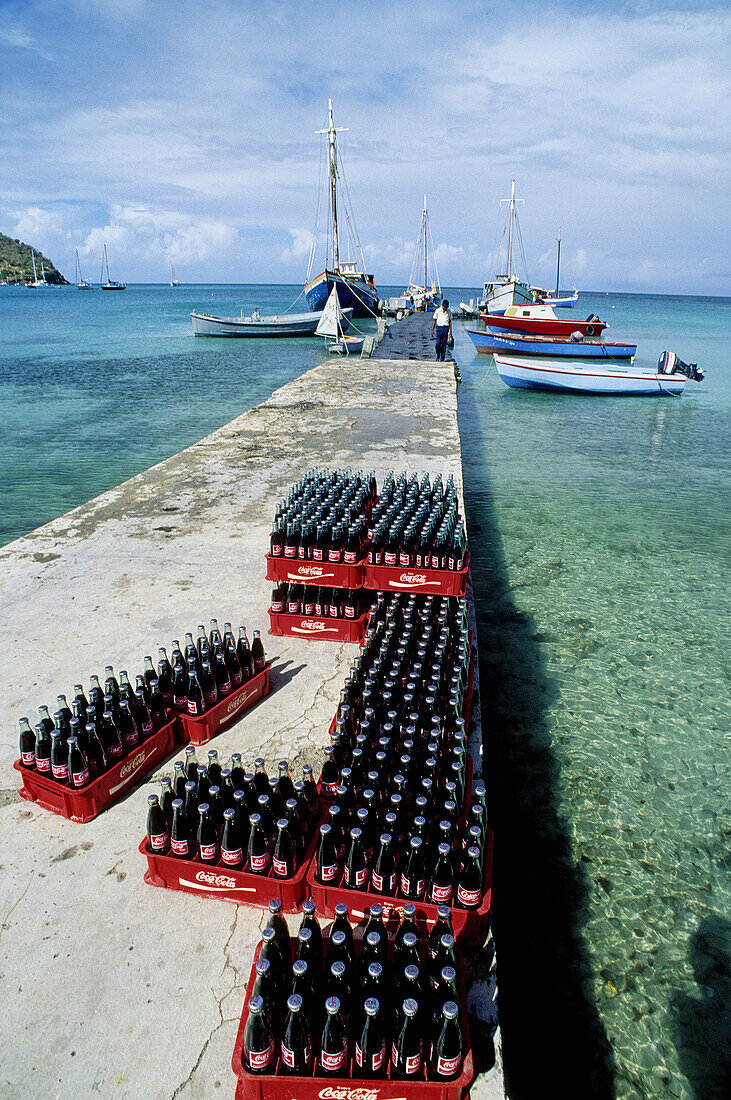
(592, 317)
(669, 363)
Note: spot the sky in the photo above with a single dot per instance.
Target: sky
(184, 132)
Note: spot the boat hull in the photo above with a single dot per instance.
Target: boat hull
(543, 374)
(542, 326)
(500, 296)
(360, 296)
(486, 343)
(296, 324)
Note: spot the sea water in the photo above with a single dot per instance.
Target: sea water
(600, 539)
(599, 533)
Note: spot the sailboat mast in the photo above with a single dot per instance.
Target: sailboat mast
(332, 140)
(510, 230)
(558, 259)
(426, 284)
(33, 258)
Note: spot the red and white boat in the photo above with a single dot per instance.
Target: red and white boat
(541, 320)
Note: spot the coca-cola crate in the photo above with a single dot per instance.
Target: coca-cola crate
(87, 803)
(241, 887)
(309, 626)
(470, 925)
(271, 1086)
(227, 711)
(328, 573)
(433, 582)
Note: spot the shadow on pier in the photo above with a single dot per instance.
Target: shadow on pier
(553, 1039)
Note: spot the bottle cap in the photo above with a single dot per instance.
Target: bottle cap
(282, 823)
(178, 802)
(449, 1010)
(262, 965)
(325, 829)
(443, 849)
(305, 934)
(294, 1002)
(332, 1005)
(203, 808)
(308, 907)
(256, 1004)
(299, 968)
(338, 969)
(410, 1007)
(371, 1005)
(443, 911)
(152, 800)
(448, 974)
(338, 937)
(373, 939)
(410, 940)
(447, 941)
(341, 909)
(412, 972)
(229, 813)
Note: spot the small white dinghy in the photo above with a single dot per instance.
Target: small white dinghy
(332, 328)
(524, 372)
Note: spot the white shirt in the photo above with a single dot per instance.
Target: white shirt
(441, 317)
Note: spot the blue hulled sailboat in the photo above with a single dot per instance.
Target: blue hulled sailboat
(356, 289)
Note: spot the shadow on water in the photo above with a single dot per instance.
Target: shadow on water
(553, 1038)
(701, 1023)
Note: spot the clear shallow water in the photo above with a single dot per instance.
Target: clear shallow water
(599, 534)
(600, 555)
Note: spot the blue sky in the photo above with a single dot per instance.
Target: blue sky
(184, 132)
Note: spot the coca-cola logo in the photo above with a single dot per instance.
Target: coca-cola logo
(342, 1092)
(314, 626)
(215, 880)
(133, 764)
(236, 704)
(309, 571)
(414, 580)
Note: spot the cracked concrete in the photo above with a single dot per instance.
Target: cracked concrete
(113, 988)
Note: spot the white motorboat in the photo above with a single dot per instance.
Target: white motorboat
(278, 324)
(614, 377)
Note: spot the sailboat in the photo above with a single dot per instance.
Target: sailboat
(555, 299)
(332, 325)
(173, 280)
(422, 296)
(81, 282)
(355, 288)
(110, 284)
(507, 290)
(37, 283)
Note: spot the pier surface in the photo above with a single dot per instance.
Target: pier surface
(112, 987)
(409, 338)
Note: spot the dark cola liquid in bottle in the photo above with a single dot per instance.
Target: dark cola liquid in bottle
(111, 738)
(296, 1045)
(413, 881)
(27, 744)
(207, 839)
(180, 835)
(195, 701)
(278, 923)
(383, 876)
(283, 857)
(333, 1058)
(42, 750)
(446, 1060)
(407, 1048)
(259, 854)
(158, 836)
(243, 651)
(59, 757)
(469, 889)
(232, 852)
(355, 870)
(327, 867)
(78, 765)
(259, 1051)
(441, 882)
(128, 730)
(258, 655)
(370, 1046)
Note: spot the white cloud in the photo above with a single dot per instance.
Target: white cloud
(137, 232)
(38, 226)
(300, 247)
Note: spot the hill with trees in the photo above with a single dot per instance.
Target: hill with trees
(16, 263)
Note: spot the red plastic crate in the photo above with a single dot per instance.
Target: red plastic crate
(434, 582)
(470, 925)
(309, 626)
(87, 803)
(328, 573)
(269, 1086)
(240, 887)
(229, 710)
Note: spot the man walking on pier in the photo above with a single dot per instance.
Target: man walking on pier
(442, 321)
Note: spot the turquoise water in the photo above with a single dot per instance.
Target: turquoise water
(600, 539)
(599, 534)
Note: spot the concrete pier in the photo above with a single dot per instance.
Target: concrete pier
(112, 988)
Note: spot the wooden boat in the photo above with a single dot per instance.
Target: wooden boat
(524, 372)
(487, 343)
(278, 324)
(110, 284)
(356, 289)
(542, 321)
